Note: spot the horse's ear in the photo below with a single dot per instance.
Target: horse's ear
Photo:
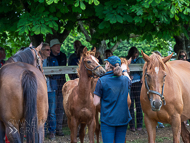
(30, 44)
(39, 47)
(94, 50)
(145, 56)
(167, 58)
(85, 50)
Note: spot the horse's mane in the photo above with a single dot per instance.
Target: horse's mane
(25, 56)
(80, 61)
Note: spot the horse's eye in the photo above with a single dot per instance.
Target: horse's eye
(88, 62)
(148, 75)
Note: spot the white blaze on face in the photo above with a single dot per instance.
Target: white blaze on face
(94, 59)
(156, 70)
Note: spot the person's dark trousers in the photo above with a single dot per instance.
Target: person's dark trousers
(109, 133)
(59, 112)
(51, 112)
(135, 98)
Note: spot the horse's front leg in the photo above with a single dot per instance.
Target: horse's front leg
(176, 128)
(73, 127)
(151, 128)
(91, 130)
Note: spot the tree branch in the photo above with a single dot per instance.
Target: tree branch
(84, 31)
(116, 45)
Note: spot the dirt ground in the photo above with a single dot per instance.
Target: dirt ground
(163, 135)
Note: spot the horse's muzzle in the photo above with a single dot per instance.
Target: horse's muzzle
(156, 105)
(100, 71)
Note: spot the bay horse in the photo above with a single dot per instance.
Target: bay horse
(78, 99)
(23, 97)
(165, 95)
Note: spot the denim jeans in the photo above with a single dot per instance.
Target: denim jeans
(109, 133)
(51, 112)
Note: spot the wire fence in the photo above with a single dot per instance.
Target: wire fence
(61, 119)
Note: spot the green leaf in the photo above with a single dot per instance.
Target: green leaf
(55, 25)
(96, 2)
(44, 29)
(128, 18)
(37, 31)
(90, 1)
(82, 5)
(41, 1)
(56, 1)
(173, 9)
(35, 28)
(49, 1)
(77, 3)
(119, 18)
(176, 17)
(113, 20)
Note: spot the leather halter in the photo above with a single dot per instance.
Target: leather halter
(90, 69)
(38, 59)
(155, 92)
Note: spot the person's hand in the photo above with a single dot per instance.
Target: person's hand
(131, 77)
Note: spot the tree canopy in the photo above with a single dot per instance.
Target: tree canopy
(23, 21)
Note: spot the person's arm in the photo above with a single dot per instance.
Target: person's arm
(96, 100)
(97, 93)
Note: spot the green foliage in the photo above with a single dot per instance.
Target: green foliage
(67, 46)
(164, 47)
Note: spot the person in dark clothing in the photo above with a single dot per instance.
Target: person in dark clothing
(135, 90)
(75, 61)
(55, 46)
(112, 91)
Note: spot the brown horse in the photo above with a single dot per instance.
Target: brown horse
(165, 95)
(23, 97)
(78, 100)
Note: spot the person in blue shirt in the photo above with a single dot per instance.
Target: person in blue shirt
(136, 77)
(52, 87)
(112, 92)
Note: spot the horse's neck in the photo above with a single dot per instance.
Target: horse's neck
(84, 84)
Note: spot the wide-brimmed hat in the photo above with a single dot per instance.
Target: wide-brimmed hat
(54, 42)
(113, 60)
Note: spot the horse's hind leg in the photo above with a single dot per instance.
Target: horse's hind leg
(184, 133)
(41, 133)
(82, 132)
(12, 134)
(2, 132)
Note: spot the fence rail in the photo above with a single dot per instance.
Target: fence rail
(72, 69)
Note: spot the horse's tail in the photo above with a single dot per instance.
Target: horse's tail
(29, 84)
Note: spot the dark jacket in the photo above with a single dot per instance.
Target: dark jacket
(62, 61)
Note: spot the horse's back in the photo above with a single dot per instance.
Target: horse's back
(182, 70)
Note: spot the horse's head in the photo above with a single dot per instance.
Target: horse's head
(154, 74)
(91, 63)
(38, 61)
(125, 62)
